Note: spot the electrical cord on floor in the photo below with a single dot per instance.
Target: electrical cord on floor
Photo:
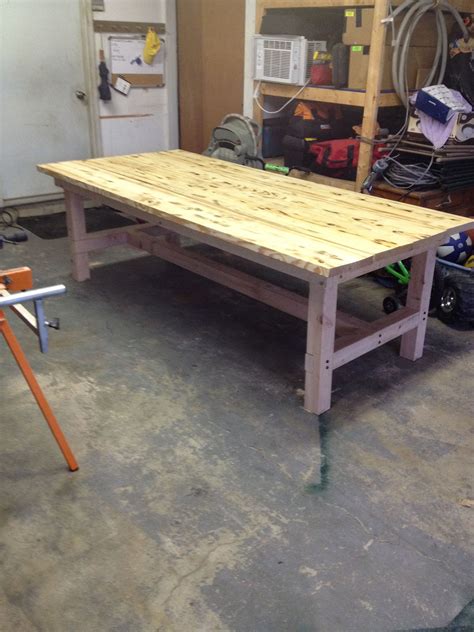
(261, 107)
(8, 221)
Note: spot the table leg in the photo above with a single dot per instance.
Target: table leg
(419, 293)
(322, 307)
(76, 229)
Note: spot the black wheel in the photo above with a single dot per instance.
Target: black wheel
(457, 297)
(391, 304)
(440, 275)
(448, 304)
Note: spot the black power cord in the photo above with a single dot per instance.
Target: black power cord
(7, 221)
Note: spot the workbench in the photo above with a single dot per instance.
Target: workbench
(317, 233)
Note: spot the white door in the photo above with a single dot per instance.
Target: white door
(44, 117)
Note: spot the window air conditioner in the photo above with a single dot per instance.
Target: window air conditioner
(281, 59)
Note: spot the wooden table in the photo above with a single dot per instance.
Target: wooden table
(317, 233)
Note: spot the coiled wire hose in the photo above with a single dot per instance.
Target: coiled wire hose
(416, 10)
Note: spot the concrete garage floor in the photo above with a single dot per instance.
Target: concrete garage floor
(207, 498)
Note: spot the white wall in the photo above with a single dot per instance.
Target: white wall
(123, 128)
(250, 8)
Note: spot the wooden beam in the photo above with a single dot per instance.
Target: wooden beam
(320, 4)
(460, 5)
(418, 298)
(22, 313)
(352, 322)
(97, 243)
(369, 266)
(328, 95)
(108, 237)
(116, 26)
(259, 15)
(268, 293)
(277, 297)
(321, 335)
(372, 94)
(383, 330)
(25, 316)
(76, 228)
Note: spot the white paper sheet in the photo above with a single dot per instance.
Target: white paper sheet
(126, 57)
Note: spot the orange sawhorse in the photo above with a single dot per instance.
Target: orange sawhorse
(20, 279)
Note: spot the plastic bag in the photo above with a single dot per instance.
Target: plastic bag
(152, 46)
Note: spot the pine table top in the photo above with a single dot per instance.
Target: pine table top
(318, 228)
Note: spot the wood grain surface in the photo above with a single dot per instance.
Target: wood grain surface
(318, 228)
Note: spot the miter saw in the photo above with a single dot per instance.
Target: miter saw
(237, 139)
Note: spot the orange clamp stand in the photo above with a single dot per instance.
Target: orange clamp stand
(20, 279)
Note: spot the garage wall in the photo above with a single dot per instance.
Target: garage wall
(146, 119)
(210, 61)
(250, 8)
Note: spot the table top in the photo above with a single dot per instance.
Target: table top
(318, 228)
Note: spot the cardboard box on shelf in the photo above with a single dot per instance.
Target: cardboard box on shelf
(419, 58)
(358, 28)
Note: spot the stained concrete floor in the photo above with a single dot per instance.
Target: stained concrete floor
(207, 498)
